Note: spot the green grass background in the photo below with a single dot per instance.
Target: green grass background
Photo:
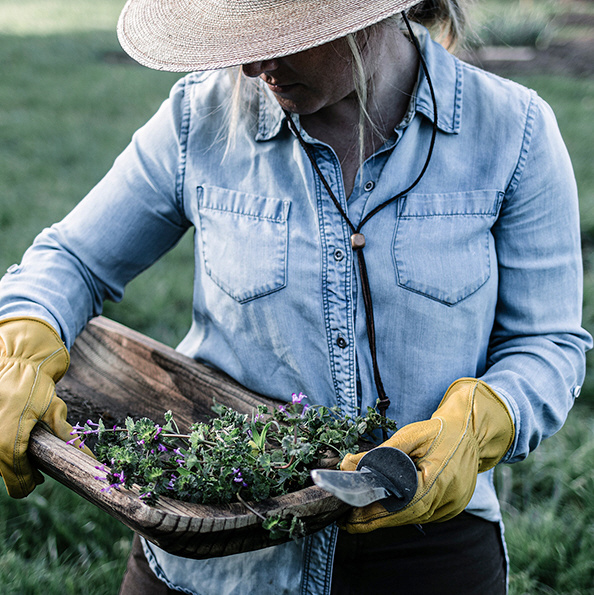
(68, 106)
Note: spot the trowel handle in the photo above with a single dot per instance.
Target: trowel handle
(398, 473)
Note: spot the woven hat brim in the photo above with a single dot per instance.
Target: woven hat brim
(191, 35)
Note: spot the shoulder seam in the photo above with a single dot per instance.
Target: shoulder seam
(525, 147)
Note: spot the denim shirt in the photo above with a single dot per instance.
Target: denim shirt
(475, 273)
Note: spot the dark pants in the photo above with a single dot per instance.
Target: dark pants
(463, 556)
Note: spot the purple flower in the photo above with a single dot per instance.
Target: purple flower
(115, 486)
(161, 447)
(92, 423)
(238, 477)
(297, 398)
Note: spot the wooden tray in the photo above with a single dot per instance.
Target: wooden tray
(116, 372)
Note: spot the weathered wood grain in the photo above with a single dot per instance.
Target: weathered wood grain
(116, 372)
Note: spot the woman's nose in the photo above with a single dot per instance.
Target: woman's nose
(254, 69)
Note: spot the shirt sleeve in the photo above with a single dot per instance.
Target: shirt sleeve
(131, 218)
(537, 349)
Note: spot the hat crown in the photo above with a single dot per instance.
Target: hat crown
(189, 35)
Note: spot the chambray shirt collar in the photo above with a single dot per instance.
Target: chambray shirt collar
(446, 75)
(270, 114)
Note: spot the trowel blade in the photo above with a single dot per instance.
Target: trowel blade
(383, 474)
(357, 488)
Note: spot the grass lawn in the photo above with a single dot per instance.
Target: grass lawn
(55, 543)
(67, 107)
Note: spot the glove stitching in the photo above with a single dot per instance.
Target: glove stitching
(375, 517)
(498, 402)
(427, 486)
(436, 441)
(466, 434)
(17, 459)
(53, 392)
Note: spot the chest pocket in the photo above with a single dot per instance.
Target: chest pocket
(244, 241)
(441, 245)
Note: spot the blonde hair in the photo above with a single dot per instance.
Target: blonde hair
(445, 19)
(362, 92)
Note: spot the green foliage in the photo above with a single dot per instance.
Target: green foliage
(548, 512)
(517, 27)
(69, 103)
(67, 108)
(43, 17)
(233, 457)
(514, 23)
(56, 543)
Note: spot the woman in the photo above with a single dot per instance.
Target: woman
(375, 221)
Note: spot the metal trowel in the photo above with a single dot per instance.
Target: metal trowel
(385, 475)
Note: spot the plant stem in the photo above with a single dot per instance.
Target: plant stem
(291, 461)
(249, 507)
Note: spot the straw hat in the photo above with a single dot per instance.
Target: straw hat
(189, 35)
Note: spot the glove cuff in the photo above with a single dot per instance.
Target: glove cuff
(489, 418)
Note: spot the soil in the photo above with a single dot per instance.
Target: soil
(570, 58)
(571, 54)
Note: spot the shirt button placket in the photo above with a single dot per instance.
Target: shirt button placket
(342, 342)
(338, 289)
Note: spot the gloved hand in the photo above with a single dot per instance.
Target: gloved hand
(469, 433)
(32, 359)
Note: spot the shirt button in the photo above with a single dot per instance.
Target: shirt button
(369, 186)
(341, 342)
(338, 254)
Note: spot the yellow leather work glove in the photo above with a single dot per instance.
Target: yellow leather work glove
(32, 359)
(469, 433)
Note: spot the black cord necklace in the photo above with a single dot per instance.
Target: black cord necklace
(358, 239)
